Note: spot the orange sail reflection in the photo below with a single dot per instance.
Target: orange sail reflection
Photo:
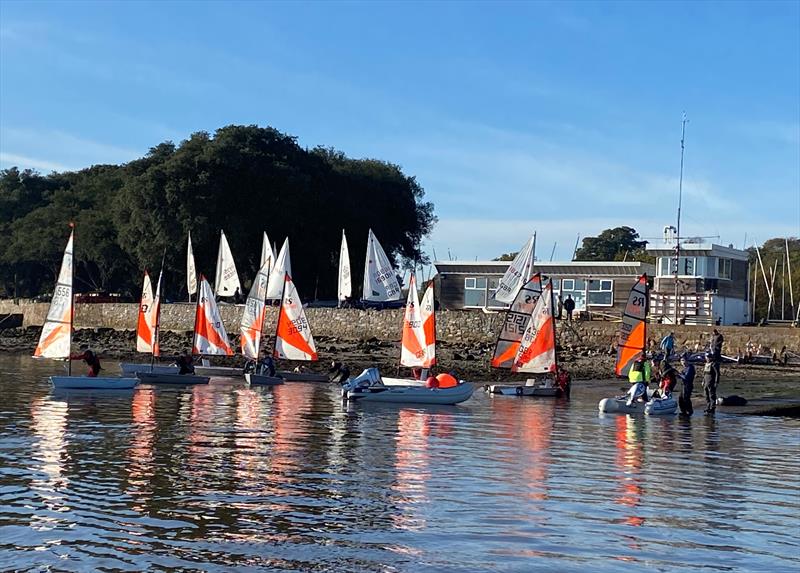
(412, 468)
(142, 462)
(629, 461)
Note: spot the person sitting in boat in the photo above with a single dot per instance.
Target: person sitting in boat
(563, 380)
(639, 377)
(185, 363)
(91, 360)
(266, 366)
(669, 380)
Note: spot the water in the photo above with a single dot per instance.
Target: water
(225, 477)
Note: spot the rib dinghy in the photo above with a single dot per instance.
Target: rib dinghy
(56, 339)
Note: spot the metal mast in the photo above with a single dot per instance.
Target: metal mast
(678, 228)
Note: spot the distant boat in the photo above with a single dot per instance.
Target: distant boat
(293, 338)
(252, 325)
(345, 283)
(226, 281)
(380, 280)
(56, 338)
(428, 315)
(210, 338)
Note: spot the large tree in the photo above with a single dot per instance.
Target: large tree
(613, 244)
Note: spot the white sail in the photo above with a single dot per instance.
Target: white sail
(209, 331)
(380, 281)
(293, 339)
(282, 267)
(537, 349)
(267, 254)
(413, 350)
(345, 282)
(145, 325)
(428, 314)
(191, 272)
(519, 271)
(226, 281)
(56, 338)
(254, 313)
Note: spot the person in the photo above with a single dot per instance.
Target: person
(266, 367)
(560, 306)
(237, 296)
(716, 351)
(563, 380)
(710, 384)
(639, 377)
(569, 306)
(339, 372)
(185, 363)
(667, 344)
(669, 380)
(91, 360)
(687, 377)
(655, 370)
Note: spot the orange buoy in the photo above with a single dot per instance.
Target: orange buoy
(446, 380)
(432, 382)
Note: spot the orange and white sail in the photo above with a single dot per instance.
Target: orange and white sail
(146, 324)
(516, 321)
(209, 331)
(516, 274)
(226, 282)
(429, 325)
(293, 340)
(255, 310)
(281, 268)
(413, 350)
(633, 331)
(191, 272)
(56, 337)
(537, 349)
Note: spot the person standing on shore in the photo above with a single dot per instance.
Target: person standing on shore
(569, 306)
(687, 377)
(667, 345)
(710, 384)
(716, 351)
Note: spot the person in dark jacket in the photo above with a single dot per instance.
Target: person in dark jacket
(185, 363)
(716, 350)
(687, 377)
(339, 372)
(569, 306)
(710, 384)
(91, 359)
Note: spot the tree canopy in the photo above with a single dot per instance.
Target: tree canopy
(613, 245)
(243, 179)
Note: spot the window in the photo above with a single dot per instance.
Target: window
(725, 269)
(475, 291)
(601, 293)
(576, 289)
(664, 269)
(469, 282)
(687, 266)
(568, 284)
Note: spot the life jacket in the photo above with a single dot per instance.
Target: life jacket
(636, 373)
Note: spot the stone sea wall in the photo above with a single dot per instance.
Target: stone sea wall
(472, 327)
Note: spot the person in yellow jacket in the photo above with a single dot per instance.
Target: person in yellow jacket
(639, 377)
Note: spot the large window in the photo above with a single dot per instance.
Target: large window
(601, 293)
(576, 289)
(475, 291)
(687, 266)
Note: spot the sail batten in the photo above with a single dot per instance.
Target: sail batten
(345, 284)
(537, 349)
(516, 321)
(633, 331)
(380, 280)
(293, 340)
(226, 281)
(210, 337)
(56, 338)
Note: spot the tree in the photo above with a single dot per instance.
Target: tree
(783, 289)
(612, 245)
(507, 256)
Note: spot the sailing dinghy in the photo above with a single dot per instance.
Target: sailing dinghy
(293, 338)
(226, 281)
(56, 339)
(380, 280)
(252, 326)
(369, 386)
(345, 284)
(631, 347)
(519, 269)
(210, 338)
(534, 351)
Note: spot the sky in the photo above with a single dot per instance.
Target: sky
(560, 118)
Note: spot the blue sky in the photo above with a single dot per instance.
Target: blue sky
(558, 117)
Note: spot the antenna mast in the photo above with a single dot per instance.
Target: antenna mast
(678, 228)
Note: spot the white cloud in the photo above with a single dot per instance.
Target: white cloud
(11, 160)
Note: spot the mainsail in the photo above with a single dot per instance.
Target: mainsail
(413, 350)
(209, 331)
(56, 337)
(537, 349)
(282, 267)
(255, 310)
(145, 325)
(429, 325)
(515, 323)
(345, 282)
(293, 339)
(380, 281)
(226, 281)
(267, 254)
(633, 331)
(191, 273)
(518, 272)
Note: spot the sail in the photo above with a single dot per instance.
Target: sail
(191, 272)
(282, 267)
(267, 254)
(413, 351)
(537, 349)
(515, 323)
(209, 331)
(56, 337)
(380, 282)
(255, 310)
(429, 325)
(146, 323)
(293, 340)
(633, 331)
(226, 281)
(345, 283)
(518, 271)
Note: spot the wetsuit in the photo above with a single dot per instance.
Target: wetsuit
(685, 399)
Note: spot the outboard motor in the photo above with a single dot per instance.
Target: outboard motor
(367, 378)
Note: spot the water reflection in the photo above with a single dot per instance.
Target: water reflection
(49, 426)
(629, 443)
(412, 473)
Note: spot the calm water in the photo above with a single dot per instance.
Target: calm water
(224, 477)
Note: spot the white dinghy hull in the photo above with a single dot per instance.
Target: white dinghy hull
(171, 378)
(93, 382)
(524, 390)
(263, 380)
(131, 369)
